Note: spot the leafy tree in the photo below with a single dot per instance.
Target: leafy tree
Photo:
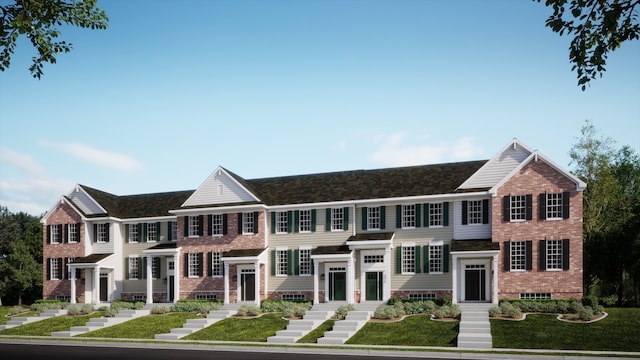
(598, 27)
(38, 21)
(611, 211)
(20, 257)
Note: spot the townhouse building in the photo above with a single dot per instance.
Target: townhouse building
(475, 231)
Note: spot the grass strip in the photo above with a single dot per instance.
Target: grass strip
(240, 329)
(47, 326)
(416, 330)
(145, 327)
(312, 337)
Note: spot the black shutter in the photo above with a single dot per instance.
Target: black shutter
(445, 258)
(365, 225)
(528, 206)
(296, 262)
(273, 222)
(398, 216)
(224, 224)
(49, 234)
(273, 263)
(289, 262)
(65, 272)
(186, 265)
(64, 230)
(142, 267)
(418, 215)
(61, 268)
(345, 218)
(417, 258)
(239, 223)
(186, 226)
(426, 211)
(542, 206)
(169, 231)
(507, 255)
(200, 264)
(296, 221)
(543, 255)
(426, 258)
(327, 225)
(108, 231)
(506, 208)
(399, 260)
(528, 255)
(200, 225)
(565, 254)
(209, 224)
(210, 261)
(289, 221)
(465, 211)
(485, 211)
(313, 220)
(445, 214)
(126, 233)
(565, 205)
(48, 269)
(95, 232)
(383, 218)
(256, 223)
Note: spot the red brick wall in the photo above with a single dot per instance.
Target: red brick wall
(62, 214)
(535, 178)
(189, 287)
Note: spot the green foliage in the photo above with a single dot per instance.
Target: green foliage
(342, 311)
(41, 306)
(76, 309)
(248, 310)
(411, 331)
(15, 310)
(313, 335)
(599, 27)
(495, 311)
(199, 306)
(160, 309)
(510, 310)
(288, 307)
(238, 329)
(38, 21)
(145, 327)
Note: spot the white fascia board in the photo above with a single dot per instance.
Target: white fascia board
(513, 143)
(148, 219)
(175, 251)
(241, 260)
(332, 257)
(537, 156)
(474, 254)
(372, 244)
(212, 210)
(104, 218)
(59, 202)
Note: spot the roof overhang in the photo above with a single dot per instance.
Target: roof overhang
(243, 256)
(379, 240)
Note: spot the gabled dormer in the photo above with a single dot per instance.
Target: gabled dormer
(220, 188)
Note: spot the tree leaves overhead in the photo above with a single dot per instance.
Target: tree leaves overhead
(38, 21)
(598, 27)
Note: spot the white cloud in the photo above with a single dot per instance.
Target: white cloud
(103, 158)
(399, 149)
(23, 162)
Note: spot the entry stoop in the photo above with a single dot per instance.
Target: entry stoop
(475, 329)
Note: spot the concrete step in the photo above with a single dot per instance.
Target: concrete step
(290, 333)
(474, 345)
(167, 336)
(282, 339)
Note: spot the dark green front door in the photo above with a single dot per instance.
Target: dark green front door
(374, 286)
(337, 286)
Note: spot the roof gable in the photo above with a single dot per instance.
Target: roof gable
(221, 187)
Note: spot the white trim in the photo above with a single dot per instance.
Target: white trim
(222, 209)
(217, 172)
(148, 219)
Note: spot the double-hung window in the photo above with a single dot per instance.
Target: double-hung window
(518, 207)
(133, 233)
(155, 267)
(554, 206)
(474, 212)
(554, 255)
(373, 218)
(304, 221)
(101, 232)
(55, 269)
(216, 264)
(518, 254)
(193, 226)
(73, 233)
(248, 223)
(436, 258)
(337, 219)
(436, 214)
(282, 222)
(217, 224)
(408, 259)
(173, 230)
(134, 267)
(194, 265)
(282, 262)
(304, 261)
(55, 235)
(152, 232)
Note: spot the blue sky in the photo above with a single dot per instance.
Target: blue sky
(173, 89)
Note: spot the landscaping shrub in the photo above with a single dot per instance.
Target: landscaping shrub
(127, 305)
(394, 299)
(510, 310)
(199, 306)
(590, 300)
(495, 311)
(574, 307)
(160, 309)
(14, 310)
(111, 312)
(342, 311)
(42, 305)
(419, 307)
(249, 310)
(73, 310)
(609, 300)
(389, 311)
(294, 309)
(586, 313)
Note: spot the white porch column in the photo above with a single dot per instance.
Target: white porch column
(149, 280)
(386, 279)
(256, 266)
(351, 281)
(176, 278)
(316, 284)
(96, 285)
(454, 280)
(494, 287)
(73, 285)
(226, 283)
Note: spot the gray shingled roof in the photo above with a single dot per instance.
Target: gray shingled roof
(306, 189)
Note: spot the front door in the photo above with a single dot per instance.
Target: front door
(104, 286)
(248, 284)
(374, 286)
(170, 280)
(475, 283)
(337, 286)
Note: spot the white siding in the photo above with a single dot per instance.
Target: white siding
(219, 188)
(84, 203)
(497, 168)
(475, 231)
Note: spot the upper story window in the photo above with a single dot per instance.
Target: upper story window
(73, 233)
(152, 232)
(436, 214)
(101, 232)
(194, 225)
(216, 264)
(373, 259)
(517, 207)
(218, 224)
(248, 223)
(55, 234)
(282, 222)
(337, 219)
(373, 218)
(408, 216)
(173, 230)
(304, 221)
(475, 212)
(554, 206)
(133, 233)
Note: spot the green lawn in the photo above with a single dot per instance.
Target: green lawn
(312, 337)
(47, 326)
(619, 331)
(239, 329)
(417, 330)
(145, 327)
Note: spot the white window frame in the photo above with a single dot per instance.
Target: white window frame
(155, 273)
(282, 222)
(55, 234)
(55, 269)
(474, 212)
(134, 264)
(102, 233)
(554, 256)
(408, 258)
(217, 224)
(373, 218)
(436, 257)
(133, 233)
(517, 208)
(436, 215)
(194, 265)
(217, 269)
(337, 219)
(73, 233)
(282, 261)
(305, 264)
(152, 232)
(518, 256)
(194, 226)
(304, 221)
(554, 206)
(174, 231)
(248, 227)
(408, 213)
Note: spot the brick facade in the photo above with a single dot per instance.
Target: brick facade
(536, 178)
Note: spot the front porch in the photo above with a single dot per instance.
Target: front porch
(474, 271)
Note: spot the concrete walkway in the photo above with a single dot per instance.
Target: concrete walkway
(102, 322)
(475, 329)
(17, 321)
(354, 321)
(297, 329)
